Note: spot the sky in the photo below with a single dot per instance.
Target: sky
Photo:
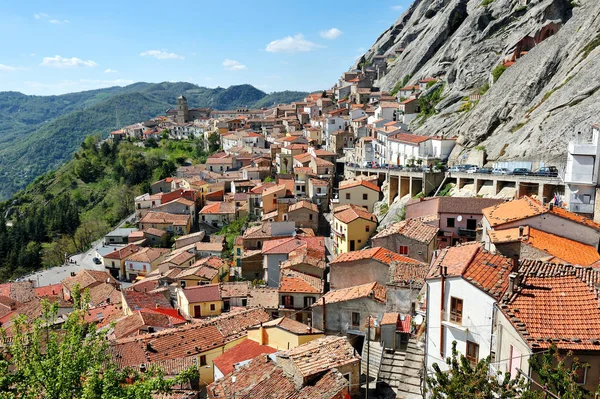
(55, 47)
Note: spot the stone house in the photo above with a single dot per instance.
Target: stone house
(304, 214)
(218, 214)
(410, 237)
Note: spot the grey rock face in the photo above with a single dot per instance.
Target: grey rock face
(549, 94)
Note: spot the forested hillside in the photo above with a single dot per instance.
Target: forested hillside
(65, 210)
(41, 132)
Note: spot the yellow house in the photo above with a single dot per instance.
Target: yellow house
(359, 192)
(352, 228)
(283, 333)
(270, 195)
(197, 275)
(202, 187)
(200, 301)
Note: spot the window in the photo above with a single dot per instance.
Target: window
(288, 301)
(355, 319)
(347, 195)
(308, 301)
(450, 222)
(244, 302)
(203, 360)
(403, 250)
(471, 224)
(213, 307)
(365, 197)
(310, 217)
(472, 352)
(456, 309)
(239, 251)
(367, 228)
(581, 375)
(274, 201)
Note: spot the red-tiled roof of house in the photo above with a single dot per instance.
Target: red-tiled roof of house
(218, 208)
(88, 278)
(322, 354)
(203, 293)
(49, 290)
(243, 351)
(355, 183)
(152, 231)
(237, 289)
(411, 228)
(407, 274)
(303, 205)
(145, 300)
(290, 325)
(408, 138)
(563, 249)
(356, 292)
(263, 230)
(103, 315)
(318, 182)
(180, 258)
(292, 281)
(321, 162)
(527, 207)
(122, 253)
(147, 255)
(165, 218)
(383, 255)
(212, 261)
(348, 213)
(267, 298)
(485, 270)
(208, 246)
(459, 205)
(390, 318)
(303, 258)
(102, 294)
(556, 304)
(202, 271)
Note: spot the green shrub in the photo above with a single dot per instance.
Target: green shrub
(498, 71)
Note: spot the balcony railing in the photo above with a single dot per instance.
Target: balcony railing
(581, 208)
(467, 233)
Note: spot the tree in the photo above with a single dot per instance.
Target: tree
(213, 142)
(40, 361)
(464, 380)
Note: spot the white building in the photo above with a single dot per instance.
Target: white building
(387, 110)
(581, 174)
(465, 284)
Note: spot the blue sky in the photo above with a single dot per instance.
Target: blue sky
(54, 47)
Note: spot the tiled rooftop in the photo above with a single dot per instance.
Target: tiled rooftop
(348, 213)
(355, 183)
(245, 350)
(383, 255)
(292, 281)
(203, 293)
(411, 228)
(356, 292)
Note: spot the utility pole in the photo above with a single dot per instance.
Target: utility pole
(368, 358)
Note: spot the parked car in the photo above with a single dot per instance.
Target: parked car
(96, 260)
(472, 169)
(455, 168)
(549, 171)
(521, 172)
(384, 166)
(485, 171)
(500, 171)
(369, 164)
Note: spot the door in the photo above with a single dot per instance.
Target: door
(197, 312)
(352, 246)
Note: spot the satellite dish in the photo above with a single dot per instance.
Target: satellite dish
(418, 319)
(459, 218)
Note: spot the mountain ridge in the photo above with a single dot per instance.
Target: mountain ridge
(41, 132)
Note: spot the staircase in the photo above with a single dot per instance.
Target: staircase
(402, 371)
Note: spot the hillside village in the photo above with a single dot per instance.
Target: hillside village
(316, 253)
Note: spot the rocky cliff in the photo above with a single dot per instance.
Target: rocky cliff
(550, 93)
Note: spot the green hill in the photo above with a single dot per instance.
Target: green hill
(41, 132)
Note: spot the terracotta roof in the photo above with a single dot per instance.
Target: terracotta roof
(356, 292)
(145, 300)
(180, 258)
(348, 213)
(263, 230)
(485, 270)
(212, 261)
(203, 271)
(354, 183)
(411, 228)
(88, 278)
(322, 354)
(218, 208)
(245, 350)
(322, 162)
(131, 325)
(292, 281)
(304, 259)
(122, 253)
(165, 218)
(102, 294)
(565, 250)
(409, 138)
(147, 255)
(556, 304)
(49, 290)
(291, 325)
(527, 207)
(383, 255)
(209, 246)
(303, 204)
(318, 182)
(267, 298)
(463, 206)
(203, 293)
(103, 315)
(407, 274)
(235, 289)
(152, 231)
(390, 318)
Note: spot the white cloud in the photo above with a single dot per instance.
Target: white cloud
(331, 34)
(108, 70)
(233, 65)
(7, 68)
(161, 55)
(61, 62)
(40, 15)
(398, 8)
(57, 22)
(291, 44)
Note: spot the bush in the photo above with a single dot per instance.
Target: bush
(498, 71)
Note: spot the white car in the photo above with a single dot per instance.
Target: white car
(500, 171)
(472, 169)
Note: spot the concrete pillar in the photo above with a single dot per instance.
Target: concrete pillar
(597, 206)
(416, 186)
(404, 186)
(495, 186)
(541, 193)
(393, 188)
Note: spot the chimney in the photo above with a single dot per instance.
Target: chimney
(515, 263)
(551, 206)
(511, 283)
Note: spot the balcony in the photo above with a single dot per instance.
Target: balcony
(581, 208)
(582, 148)
(453, 320)
(337, 232)
(467, 233)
